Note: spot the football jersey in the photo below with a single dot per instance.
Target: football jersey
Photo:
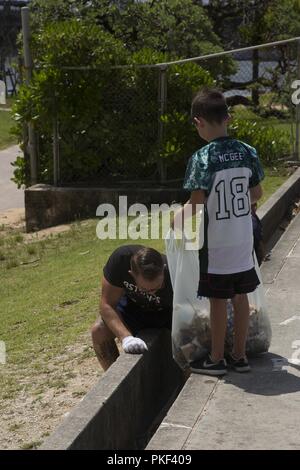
(225, 168)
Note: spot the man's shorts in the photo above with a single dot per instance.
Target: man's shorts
(226, 286)
(136, 319)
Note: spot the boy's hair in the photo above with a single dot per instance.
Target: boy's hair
(210, 104)
(147, 263)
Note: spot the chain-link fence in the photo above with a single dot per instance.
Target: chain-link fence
(131, 125)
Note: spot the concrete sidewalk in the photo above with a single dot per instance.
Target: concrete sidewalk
(10, 196)
(259, 410)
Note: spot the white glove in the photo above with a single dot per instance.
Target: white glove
(133, 345)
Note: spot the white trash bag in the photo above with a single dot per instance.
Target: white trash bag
(260, 331)
(191, 336)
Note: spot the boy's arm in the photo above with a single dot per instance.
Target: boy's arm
(256, 193)
(189, 209)
(256, 177)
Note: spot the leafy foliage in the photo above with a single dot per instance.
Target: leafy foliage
(108, 117)
(270, 142)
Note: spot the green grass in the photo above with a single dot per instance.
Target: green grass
(49, 295)
(10, 100)
(274, 178)
(6, 122)
(243, 112)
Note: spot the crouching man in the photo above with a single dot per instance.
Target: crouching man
(136, 294)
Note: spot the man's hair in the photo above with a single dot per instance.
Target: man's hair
(210, 104)
(147, 263)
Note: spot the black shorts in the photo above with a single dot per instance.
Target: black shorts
(226, 286)
(136, 319)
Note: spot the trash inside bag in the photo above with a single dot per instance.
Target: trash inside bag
(259, 331)
(191, 336)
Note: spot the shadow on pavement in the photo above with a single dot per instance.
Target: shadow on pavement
(271, 374)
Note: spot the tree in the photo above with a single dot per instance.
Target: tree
(180, 28)
(272, 20)
(246, 23)
(226, 17)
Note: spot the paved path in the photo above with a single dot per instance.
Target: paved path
(259, 410)
(10, 196)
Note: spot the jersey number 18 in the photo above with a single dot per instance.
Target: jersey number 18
(233, 198)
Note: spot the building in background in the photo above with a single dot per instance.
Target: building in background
(10, 26)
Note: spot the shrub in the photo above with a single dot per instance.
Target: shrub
(270, 142)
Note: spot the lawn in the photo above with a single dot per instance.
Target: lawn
(49, 293)
(274, 178)
(6, 122)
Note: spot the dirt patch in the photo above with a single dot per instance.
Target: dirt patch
(13, 220)
(46, 397)
(46, 232)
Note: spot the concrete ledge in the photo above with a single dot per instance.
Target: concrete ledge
(47, 205)
(274, 209)
(270, 270)
(128, 403)
(176, 427)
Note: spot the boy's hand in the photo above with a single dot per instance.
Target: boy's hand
(255, 193)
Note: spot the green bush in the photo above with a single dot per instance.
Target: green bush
(77, 99)
(270, 142)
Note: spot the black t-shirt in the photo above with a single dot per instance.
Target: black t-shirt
(116, 273)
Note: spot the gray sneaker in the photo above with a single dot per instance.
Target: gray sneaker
(239, 365)
(208, 367)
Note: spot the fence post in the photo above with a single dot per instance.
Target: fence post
(162, 104)
(255, 77)
(28, 75)
(297, 143)
(56, 172)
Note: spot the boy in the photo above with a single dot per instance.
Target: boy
(224, 175)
